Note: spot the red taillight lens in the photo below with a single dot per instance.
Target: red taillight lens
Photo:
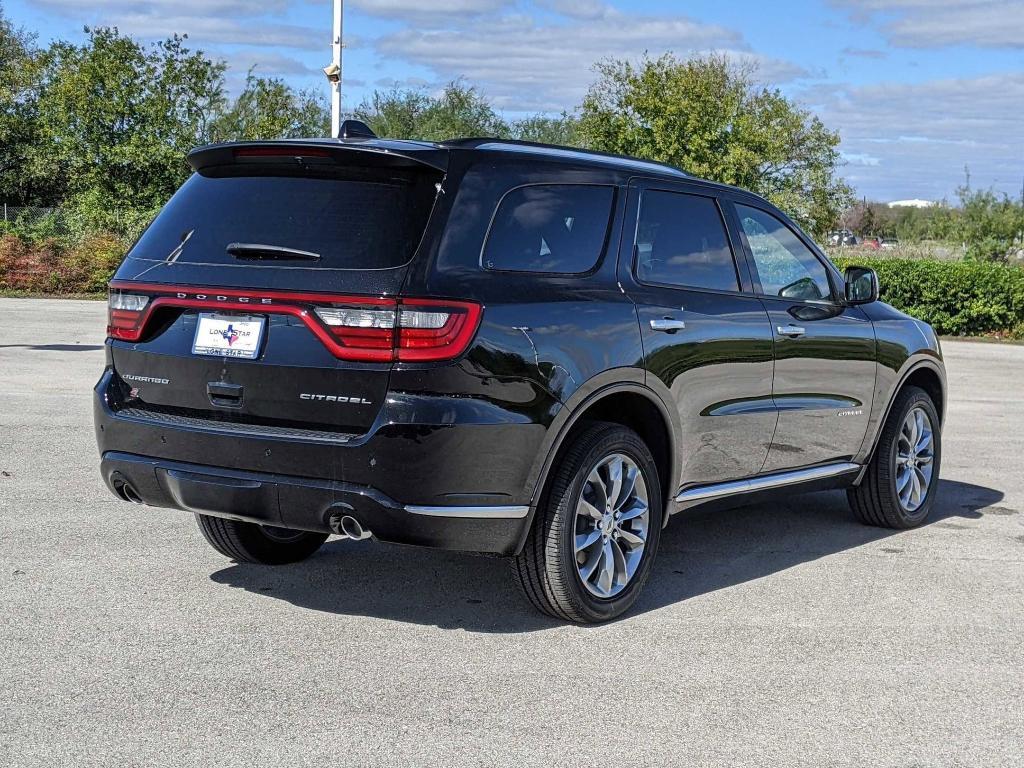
(411, 330)
(357, 328)
(279, 151)
(435, 330)
(125, 314)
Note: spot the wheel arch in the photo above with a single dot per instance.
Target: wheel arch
(923, 373)
(631, 404)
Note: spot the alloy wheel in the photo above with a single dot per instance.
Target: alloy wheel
(611, 525)
(915, 454)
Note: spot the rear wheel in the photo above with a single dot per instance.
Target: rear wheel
(596, 533)
(899, 486)
(252, 543)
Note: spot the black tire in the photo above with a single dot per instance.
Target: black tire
(875, 501)
(252, 543)
(546, 569)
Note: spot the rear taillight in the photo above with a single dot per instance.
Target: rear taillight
(413, 330)
(357, 328)
(125, 314)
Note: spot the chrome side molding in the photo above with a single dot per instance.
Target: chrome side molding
(479, 513)
(765, 482)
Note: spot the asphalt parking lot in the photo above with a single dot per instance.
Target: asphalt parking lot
(783, 634)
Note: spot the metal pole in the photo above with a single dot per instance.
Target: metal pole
(336, 85)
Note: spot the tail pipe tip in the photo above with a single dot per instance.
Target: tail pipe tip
(350, 528)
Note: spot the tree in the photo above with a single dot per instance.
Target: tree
(548, 130)
(707, 116)
(18, 76)
(989, 223)
(116, 119)
(268, 108)
(459, 111)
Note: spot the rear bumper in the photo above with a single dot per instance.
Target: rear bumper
(309, 504)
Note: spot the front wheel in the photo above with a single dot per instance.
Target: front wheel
(596, 533)
(899, 485)
(253, 543)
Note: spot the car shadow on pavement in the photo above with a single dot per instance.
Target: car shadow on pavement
(701, 552)
(55, 347)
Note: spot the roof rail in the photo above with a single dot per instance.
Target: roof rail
(479, 142)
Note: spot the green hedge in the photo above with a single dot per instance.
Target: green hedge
(958, 298)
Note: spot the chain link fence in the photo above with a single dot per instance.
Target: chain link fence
(13, 213)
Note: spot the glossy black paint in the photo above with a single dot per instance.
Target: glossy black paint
(732, 397)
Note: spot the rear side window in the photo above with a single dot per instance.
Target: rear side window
(557, 228)
(681, 240)
(366, 219)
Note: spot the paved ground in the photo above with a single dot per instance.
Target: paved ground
(770, 635)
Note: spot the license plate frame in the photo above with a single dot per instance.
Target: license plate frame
(214, 332)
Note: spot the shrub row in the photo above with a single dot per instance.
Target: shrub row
(958, 298)
(51, 265)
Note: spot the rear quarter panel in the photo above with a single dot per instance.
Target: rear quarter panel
(559, 337)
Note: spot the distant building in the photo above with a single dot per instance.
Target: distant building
(911, 204)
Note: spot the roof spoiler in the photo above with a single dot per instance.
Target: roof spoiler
(355, 151)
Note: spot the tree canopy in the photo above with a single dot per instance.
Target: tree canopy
(458, 111)
(103, 125)
(708, 116)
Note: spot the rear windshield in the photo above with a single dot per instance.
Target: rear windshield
(369, 219)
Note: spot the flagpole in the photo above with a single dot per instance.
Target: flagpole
(336, 66)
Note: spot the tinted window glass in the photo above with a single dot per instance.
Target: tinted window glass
(367, 221)
(681, 240)
(785, 265)
(549, 228)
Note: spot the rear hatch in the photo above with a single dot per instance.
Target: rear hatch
(263, 298)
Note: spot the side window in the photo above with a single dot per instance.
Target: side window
(786, 266)
(558, 228)
(681, 240)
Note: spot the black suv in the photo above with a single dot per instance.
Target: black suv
(498, 347)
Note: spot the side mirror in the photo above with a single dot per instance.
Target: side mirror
(861, 285)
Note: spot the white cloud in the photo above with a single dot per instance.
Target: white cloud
(526, 65)
(436, 9)
(922, 135)
(579, 9)
(938, 23)
(224, 22)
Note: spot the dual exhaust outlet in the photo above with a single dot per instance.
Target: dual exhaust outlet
(341, 525)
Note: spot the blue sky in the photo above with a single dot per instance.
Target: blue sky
(917, 88)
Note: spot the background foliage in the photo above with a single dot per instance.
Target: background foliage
(964, 298)
(94, 136)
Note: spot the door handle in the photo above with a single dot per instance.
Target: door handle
(791, 330)
(668, 325)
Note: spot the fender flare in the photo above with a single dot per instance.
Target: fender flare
(914, 365)
(576, 408)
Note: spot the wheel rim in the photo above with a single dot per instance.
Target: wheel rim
(281, 535)
(610, 526)
(915, 459)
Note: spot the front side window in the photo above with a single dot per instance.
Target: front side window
(786, 267)
(556, 228)
(681, 241)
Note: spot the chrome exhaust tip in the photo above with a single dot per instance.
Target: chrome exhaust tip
(128, 493)
(350, 528)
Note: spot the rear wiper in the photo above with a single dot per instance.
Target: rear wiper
(260, 251)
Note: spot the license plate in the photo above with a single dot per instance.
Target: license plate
(228, 336)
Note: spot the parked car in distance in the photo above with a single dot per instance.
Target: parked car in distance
(871, 243)
(844, 238)
(889, 242)
(498, 347)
